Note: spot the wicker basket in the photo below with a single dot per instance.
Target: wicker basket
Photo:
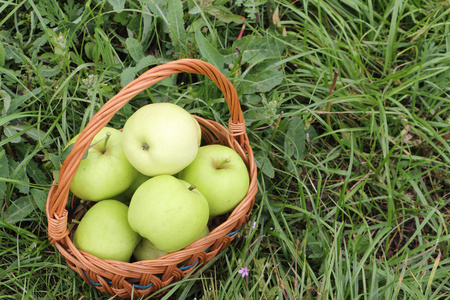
(142, 278)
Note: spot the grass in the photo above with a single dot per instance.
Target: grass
(347, 111)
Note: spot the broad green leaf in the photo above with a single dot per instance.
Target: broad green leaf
(224, 14)
(57, 160)
(255, 100)
(15, 53)
(311, 134)
(20, 174)
(134, 49)
(129, 73)
(33, 133)
(10, 132)
(37, 46)
(256, 49)
(195, 10)
(39, 198)
(56, 175)
(127, 76)
(255, 114)
(5, 98)
(264, 81)
(176, 25)
(35, 172)
(197, 25)
(118, 5)
(122, 18)
(48, 72)
(294, 142)
(209, 52)
(19, 210)
(159, 8)
(264, 164)
(147, 20)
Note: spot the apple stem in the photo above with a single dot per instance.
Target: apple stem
(224, 162)
(108, 135)
(192, 187)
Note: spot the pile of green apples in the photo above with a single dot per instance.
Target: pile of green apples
(154, 186)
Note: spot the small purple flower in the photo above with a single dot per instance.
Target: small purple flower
(243, 271)
(254, 225)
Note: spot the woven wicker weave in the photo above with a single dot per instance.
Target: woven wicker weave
(146, 277)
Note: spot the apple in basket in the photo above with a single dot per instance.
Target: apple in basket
(220, 174)
(105, 172)
(160, 138)
(125, 197)
(169, 212)
(146, 250)
(104, 232)
(199, 132)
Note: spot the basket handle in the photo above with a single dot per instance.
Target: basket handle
(56, 213)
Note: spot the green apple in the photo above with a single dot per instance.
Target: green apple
(199, 132)
(145, 250)
(168, 212)
(105, 172)
(221, 175)
(160, 139)
(125, 197)
(104, 232)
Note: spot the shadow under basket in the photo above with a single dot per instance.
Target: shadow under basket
(142, 278)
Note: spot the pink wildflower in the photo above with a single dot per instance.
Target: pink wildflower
(243, 271)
